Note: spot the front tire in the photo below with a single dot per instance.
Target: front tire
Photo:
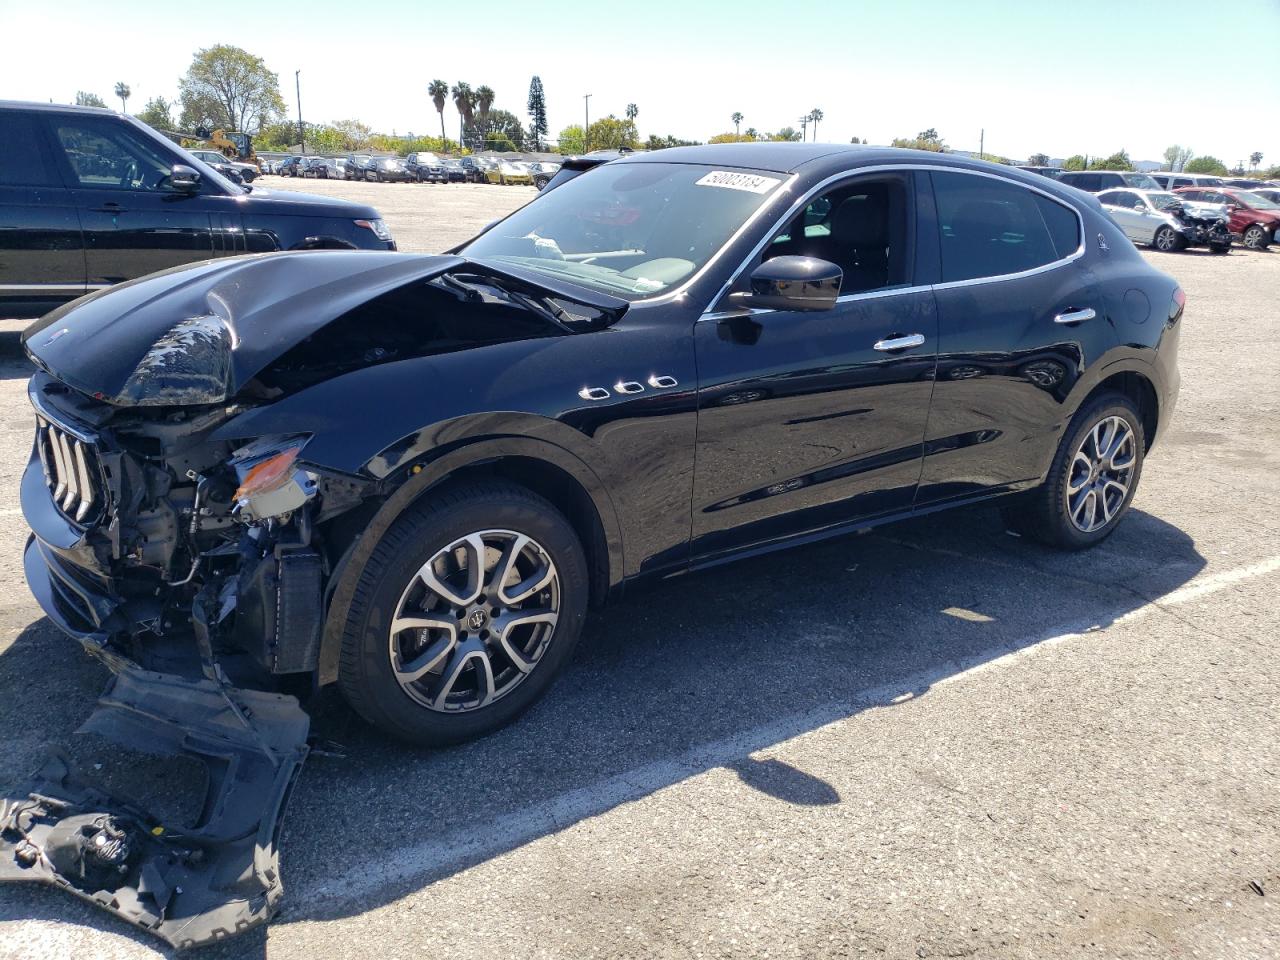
(465, 612)
(1169, 240)
(1220, 247)
(1255, 238)
(1092, 481)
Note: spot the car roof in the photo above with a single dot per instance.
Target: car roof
(52, 107)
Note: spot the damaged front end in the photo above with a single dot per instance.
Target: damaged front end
(194, 555)
(189, 885)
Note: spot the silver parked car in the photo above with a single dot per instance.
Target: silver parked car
(1167, 221)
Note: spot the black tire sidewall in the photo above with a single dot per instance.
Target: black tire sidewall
(366, 676)
(1063, 531)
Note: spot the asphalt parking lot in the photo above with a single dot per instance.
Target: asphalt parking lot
(934, 740)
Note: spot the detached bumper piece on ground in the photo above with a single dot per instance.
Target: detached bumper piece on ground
(188, 886)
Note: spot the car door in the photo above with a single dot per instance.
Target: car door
(133, 222)
(1019, 319)
(1121, 206)
(41, 247)
(813, 420)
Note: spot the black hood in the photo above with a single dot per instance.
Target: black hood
(198, 333)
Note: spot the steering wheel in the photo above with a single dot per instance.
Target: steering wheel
(130, 175)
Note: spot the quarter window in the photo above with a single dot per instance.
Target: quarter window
(992, 227)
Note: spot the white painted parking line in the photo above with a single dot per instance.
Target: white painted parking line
(456, 851)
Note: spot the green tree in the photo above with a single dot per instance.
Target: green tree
(633, 111)
(571, 139)
(1206, 164)
(353, 135)
(1117, 161)
(497, 130)
(815, 115)
(484, 102)
(855, 140)
(661, 143)
(438, 91)
(123, 92)
(610, 133)
(157, 114)
(1038, 160)
(786, 135)
(731, 138)
(751, 134)
(1074, 162)
(924, 140)
(1255, 158)
(85, 99)
(537, 112)
(464, 102)
(1176, 157)
(230, 88)
(737, 120)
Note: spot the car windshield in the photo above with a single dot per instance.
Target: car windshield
(1141, 181)
(631, 229)
(1255, 200)
(1164, 201)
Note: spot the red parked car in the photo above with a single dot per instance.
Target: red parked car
(1254, 218)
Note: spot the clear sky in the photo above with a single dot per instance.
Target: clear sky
(1077, 76)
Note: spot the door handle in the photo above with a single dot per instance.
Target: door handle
(1076, 316)
(890, 344)
(109, 207)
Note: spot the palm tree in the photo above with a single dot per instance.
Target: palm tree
(463, 102)
(484, 101)
(123, 92)
(1254, 158)
(438, 91)
(737, 119)
(632, 112)
(815, 115)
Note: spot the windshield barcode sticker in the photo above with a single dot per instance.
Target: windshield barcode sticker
(751, 182)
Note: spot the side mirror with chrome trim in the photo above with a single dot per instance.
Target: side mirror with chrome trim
(792, 283)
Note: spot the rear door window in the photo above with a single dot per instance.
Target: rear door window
(991, 227)
(22, 153)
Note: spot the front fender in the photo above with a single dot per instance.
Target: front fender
(433, 467)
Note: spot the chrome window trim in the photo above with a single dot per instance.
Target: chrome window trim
(888, 291)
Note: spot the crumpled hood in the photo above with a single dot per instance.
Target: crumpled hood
(197, 333)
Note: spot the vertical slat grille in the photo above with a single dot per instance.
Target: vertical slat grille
(70, 470)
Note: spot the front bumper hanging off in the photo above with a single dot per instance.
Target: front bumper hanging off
(190, 886)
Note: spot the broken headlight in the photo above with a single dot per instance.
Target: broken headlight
(271, 482)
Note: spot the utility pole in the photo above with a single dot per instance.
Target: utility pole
(804, 127)
(586, 122)
(302, 131)
(982, 139)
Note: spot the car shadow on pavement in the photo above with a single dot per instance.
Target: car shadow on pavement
(701, 672)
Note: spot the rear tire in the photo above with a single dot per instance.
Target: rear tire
(1255, 238)
(1219, 248)
(425, 710)
(1081, 501)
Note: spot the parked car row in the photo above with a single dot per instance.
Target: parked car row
(420, 167)
(1173, 211)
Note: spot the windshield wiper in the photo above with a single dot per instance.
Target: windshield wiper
(539, 304)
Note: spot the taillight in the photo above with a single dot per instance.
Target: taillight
(1176, 307)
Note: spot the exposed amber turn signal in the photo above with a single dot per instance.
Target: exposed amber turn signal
(271, 474)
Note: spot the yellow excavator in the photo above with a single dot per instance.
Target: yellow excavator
(236, 147)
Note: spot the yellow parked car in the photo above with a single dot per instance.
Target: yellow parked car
(509, 171)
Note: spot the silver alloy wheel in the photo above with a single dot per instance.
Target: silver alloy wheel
(1255, 237)
(1100, 475)
(474, 621)
(1166, 239)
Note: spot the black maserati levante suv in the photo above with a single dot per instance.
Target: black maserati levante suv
(89, 198)
(413, 475)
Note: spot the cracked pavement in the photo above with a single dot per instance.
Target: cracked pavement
(934, 740)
